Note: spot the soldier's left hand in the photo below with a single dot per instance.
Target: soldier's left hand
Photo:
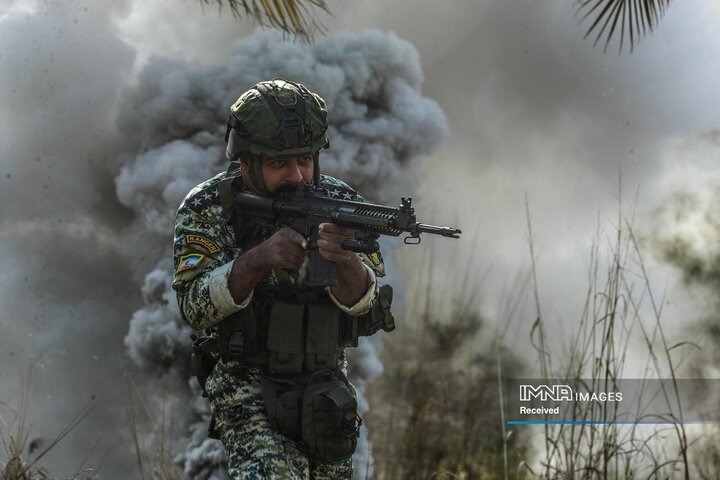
(331, 238)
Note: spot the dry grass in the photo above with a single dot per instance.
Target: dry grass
(23, 454)
(613, 316)
(432, 411)
(436, 411)
(149, 435)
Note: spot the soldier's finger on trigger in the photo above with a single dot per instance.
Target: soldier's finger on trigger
(290, 245)
(295, 237)
(300, 240)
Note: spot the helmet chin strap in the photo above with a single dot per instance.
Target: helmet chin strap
(255, 175)
(316, 169)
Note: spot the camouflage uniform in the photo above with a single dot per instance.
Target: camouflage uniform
(203, 252)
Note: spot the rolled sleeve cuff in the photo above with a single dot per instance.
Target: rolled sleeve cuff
(220, 293)
(363, 305)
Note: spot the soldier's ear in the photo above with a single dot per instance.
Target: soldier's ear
(245, 163)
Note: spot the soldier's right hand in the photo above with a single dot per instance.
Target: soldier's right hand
(285, 249)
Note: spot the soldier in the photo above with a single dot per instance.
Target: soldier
(273, 363)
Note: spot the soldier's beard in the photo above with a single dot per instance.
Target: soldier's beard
(285, 188)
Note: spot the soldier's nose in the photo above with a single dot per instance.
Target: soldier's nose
(295, 175)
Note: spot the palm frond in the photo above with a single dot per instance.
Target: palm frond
(633, 18)
(295, 17)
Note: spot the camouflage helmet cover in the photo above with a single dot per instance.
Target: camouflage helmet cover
(277, 118)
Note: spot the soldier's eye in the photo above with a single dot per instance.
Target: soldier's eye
(277, 163)
(305, 161)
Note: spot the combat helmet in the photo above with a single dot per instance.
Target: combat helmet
(279, 118)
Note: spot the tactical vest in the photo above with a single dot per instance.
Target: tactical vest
(295, 337)
(286, 330)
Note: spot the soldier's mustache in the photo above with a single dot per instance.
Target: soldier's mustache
(285, 188)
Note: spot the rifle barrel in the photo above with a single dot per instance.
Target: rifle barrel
(444, 231)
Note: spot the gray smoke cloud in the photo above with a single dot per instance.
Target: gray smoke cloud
(96, 157)
(530, 107)
(65, 301)
(533, 108)
(379, 122)
(684, 232)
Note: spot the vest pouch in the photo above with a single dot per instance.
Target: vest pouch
(238, 335)
(379, 316)
(202, 360)
(330, 421)
(348, 330)
(321, 340)
(283, 400)
(286, 337)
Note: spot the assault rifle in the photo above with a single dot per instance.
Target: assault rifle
(307, 207)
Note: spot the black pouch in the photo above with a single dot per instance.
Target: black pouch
(286, 338)
(238, 335)
(379, 316)
(330, 421)
(283, 400)
(202, 360)
(213, 431)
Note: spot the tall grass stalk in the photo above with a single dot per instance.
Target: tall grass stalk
(598, 352)
(20, 453)
(153, 456)
(435, 409)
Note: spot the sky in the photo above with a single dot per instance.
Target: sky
(515, 103)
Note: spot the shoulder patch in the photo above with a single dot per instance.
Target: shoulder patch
(374, 260)
(188, 262)
(202, 199)
(208, 244)
(341, 193)
(338, 189)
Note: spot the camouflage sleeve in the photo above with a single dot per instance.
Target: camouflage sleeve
(203, 257)
(373, 262)
(365, 303)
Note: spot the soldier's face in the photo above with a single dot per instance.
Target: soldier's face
(284, 171)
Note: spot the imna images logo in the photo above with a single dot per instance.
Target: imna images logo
(555, 393)
(564, 393)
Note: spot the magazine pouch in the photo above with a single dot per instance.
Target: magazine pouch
(330, 420)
